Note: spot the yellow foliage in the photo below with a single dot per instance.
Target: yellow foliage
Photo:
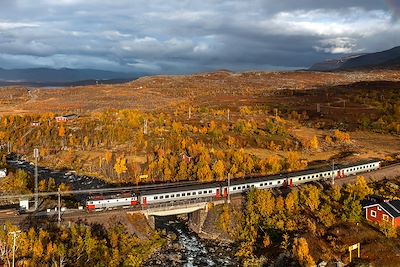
(314, 144)
(301, 252)
(120, 166)
(341, 137)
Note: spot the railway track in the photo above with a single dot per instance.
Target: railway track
(388, 171)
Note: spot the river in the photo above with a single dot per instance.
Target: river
(185, 248)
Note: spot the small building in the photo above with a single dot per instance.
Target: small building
(384, 212)
(24, 204)
(3, 173)
(65, 118)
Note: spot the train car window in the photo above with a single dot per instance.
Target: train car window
(299, 179)
(173, 195)
(270, 183)
(155, 197)
(234, 188)
(166, 196)
(178, 195)
(248, 186)
(161, 197)
(188, 193)
(209, 191)
(205, 192)
(194, 193)
(199, 193)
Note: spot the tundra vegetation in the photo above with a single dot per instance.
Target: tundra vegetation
(171, 129)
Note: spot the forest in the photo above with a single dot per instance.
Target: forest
(307, 225)
(114, 147)
(79, 245)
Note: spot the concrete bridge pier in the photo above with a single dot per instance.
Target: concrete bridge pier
(196, 219)
(151, 220)
(196, 212)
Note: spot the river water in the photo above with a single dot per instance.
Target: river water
(185, 248)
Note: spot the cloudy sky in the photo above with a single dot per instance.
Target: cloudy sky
(184, 36)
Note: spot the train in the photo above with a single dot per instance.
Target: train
(219, 190)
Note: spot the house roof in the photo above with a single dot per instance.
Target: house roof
(391, 207)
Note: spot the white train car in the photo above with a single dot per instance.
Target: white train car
(182, 192)
(110, 202)
(156, 196)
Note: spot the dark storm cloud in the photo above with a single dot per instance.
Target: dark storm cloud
(186, 36)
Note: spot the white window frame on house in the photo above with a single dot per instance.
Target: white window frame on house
(373, 213)
(385, 217)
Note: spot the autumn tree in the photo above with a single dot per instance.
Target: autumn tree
(310, 196)
(294, 162)
(301, 252)
(313, 143)
(360, 189)
(120, 166)
(204, 173)
(219, 170)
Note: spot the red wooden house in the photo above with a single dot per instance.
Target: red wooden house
(381, 212)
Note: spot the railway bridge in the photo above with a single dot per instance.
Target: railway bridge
(196, 211)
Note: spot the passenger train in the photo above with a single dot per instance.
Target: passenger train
(220, 190)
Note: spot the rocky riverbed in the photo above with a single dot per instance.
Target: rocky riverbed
(185, 248)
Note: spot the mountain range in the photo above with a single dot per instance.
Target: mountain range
(62, 77)
(388, 59)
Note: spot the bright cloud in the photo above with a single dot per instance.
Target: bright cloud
(187, 36)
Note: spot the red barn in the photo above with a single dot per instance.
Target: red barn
(387, 211)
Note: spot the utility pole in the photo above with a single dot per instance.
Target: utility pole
(190, 112)
(15, 237)
(228, 115)
(8, 147)
(36, 156)
(145, 127)
(59, 207)
(229, 185)
(333, 172)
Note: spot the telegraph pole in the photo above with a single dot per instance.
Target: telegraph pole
(229, 185)
(36, 155)
(145, 127)
(59, 207)
(228, 115)
(15, 237)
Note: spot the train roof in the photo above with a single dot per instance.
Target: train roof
(178, 188)
(199, 186)
(110, 196)
(298, 173)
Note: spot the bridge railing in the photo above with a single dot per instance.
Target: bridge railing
(181, 203)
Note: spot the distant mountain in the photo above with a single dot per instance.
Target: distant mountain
(388, 59)
(64, 76)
